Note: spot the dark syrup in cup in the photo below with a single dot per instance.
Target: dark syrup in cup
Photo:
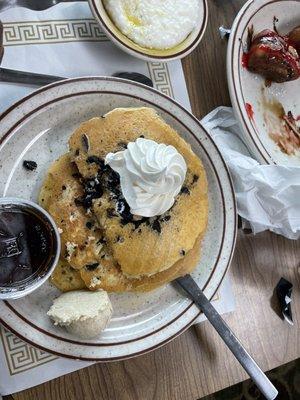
(29, 246)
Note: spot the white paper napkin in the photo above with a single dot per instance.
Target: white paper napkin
(66, 41)
(268, 196)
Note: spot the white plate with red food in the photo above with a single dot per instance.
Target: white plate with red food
(263, 71)
(37, 128)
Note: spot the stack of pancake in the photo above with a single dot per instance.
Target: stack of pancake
(104, 246)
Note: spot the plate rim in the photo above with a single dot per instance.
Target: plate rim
(234, 234)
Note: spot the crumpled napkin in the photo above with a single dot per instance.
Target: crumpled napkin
(268, 196)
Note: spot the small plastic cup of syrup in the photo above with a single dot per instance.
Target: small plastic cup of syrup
(29, 247)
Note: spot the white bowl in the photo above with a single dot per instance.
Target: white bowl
(177, 52)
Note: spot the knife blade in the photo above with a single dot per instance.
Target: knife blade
(36, 5)
(27, 78)
(188, 284)
(32, 78)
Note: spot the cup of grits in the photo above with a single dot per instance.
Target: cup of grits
(153, 30)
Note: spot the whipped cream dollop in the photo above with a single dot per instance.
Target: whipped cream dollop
(151, 175)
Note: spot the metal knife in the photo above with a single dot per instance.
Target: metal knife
(37, 5)
(27, 78)
(188, 284)
(31, 78)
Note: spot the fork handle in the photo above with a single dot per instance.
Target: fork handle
(260, 379)
(27, 78)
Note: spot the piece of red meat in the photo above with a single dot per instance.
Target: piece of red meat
(273, 56)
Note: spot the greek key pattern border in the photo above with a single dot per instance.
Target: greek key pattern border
(20, 356)
(63, 31)
(159, 73)
(46, 32)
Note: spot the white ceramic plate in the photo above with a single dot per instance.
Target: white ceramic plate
(246, 87)
(177, 52)
(37, 128)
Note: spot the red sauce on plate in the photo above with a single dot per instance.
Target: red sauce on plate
(245, 60)
(249, 111)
